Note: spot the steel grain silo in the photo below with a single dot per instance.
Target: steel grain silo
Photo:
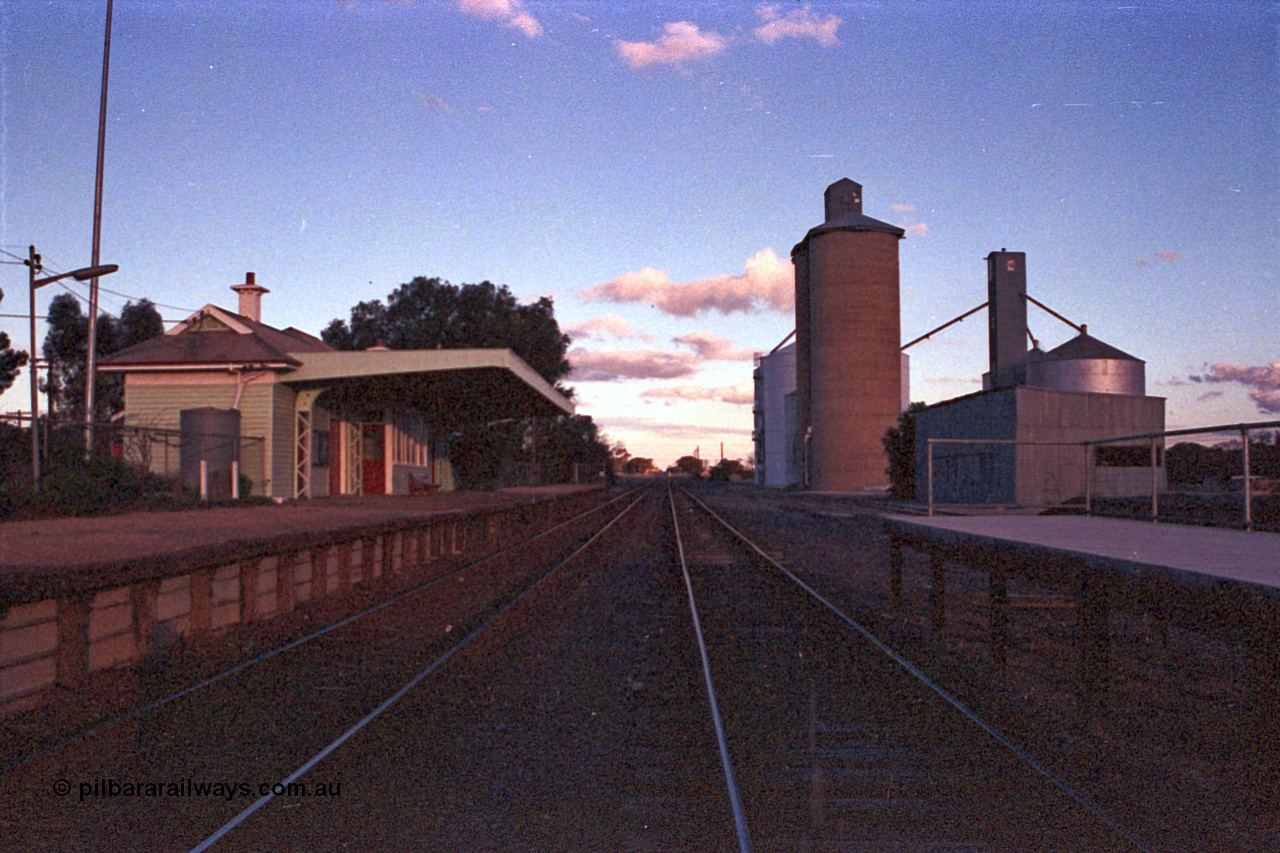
(1087, 364)
(848, 343)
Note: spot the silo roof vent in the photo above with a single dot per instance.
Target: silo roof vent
(843, 207)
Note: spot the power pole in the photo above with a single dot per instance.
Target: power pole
(33, 267)
(92, 362)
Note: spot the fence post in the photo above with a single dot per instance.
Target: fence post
(1248, 487)
(1155, 484)
(1093, 636)
(998, 614)
(1088, 478)
(204, 481)
(235, 480)
(938, 592)
(929, 469)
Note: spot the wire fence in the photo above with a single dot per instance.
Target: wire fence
(220, 466)
(1230, 475)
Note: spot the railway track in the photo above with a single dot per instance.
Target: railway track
(841, 742)
(646, 678)
(241, 725)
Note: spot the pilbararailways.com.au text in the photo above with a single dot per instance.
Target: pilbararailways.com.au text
(227, 790)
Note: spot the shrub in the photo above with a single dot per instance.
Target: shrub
(900, 443)
(92, 488)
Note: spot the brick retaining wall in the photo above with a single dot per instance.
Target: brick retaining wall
(58, 642)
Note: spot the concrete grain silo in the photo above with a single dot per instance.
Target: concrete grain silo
(848, 343)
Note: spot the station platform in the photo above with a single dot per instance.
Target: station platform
(1135, 547)
(63, 548)
(81, 596)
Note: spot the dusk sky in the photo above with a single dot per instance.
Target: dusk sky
(650, 166)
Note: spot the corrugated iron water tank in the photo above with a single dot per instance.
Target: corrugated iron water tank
(212, 435)
(1087, 364)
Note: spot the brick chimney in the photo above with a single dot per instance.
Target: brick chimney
(250, 297)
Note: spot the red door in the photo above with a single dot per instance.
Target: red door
(374, 473)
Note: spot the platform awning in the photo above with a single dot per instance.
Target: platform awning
(449, 386)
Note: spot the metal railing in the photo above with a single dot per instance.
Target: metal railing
(1089, 449)
(1244, 430)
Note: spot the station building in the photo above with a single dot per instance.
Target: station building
(317, 421)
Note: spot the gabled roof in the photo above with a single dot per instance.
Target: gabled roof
(216, 336)
(452, 386)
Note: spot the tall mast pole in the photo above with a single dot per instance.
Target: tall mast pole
(33, 267)
(91, 363)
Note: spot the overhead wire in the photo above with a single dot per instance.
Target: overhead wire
(55, 268)
(85, 300)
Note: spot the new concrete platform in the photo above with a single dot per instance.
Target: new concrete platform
(1230, 555)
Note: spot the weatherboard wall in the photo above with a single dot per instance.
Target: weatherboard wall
(155, 400)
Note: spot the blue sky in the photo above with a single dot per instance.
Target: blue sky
(651, 165)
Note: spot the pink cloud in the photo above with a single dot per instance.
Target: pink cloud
(713, 348)
(610, 326)
(1169, 257)
(742, 394)
(918, 230)
(902, 208)
(1264, 381)
(767, 283)
(434, 104)
(610, 365)
(670, 430)
(509, 13)
(682, 42)
(798, 23)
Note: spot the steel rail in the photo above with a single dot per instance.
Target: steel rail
(1004, 740)
(735, 799)
(399, 694)
(19, 761)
